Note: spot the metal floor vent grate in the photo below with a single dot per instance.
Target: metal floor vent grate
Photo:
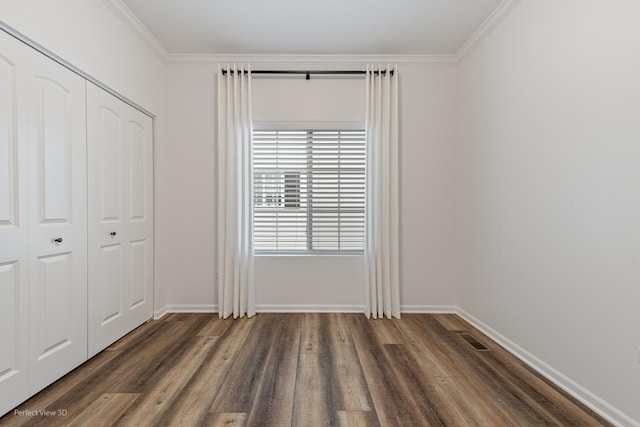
(472, 341)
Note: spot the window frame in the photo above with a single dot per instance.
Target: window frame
(309, 127)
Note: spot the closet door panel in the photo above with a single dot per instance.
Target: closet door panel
(55, 292)
(139, 143)
(139, 277)
(54, 144)
(107, 253)
(14, 222)
(110, 127)
(105, 177)
(111, 266)
(14, 379)
(58, 263)
(9, 318)
(8, 143)
(136, 144)
(120, 280)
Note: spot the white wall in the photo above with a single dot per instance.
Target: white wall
(323, 101)
(427, 134)
(87, 34)
(548, 202)
(549, 192)
(190, 183)
(427, 164)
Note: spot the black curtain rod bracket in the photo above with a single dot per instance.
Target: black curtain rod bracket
(307, 74)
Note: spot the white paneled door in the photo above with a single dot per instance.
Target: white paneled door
(43, 222)
(14, 225)
(76, 220)
(120, 156)
(56, 135)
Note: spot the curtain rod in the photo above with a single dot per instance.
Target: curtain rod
(308, 73)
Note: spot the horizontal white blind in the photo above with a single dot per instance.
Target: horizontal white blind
(309, 189)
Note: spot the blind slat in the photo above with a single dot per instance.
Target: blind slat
(309, 190)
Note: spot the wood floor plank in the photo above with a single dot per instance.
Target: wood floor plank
(304, 369)
(389, 400)
(440, 361)
(237, 394)
(329, 367)
(131, 336)
(433, 359)
(104, 411)
(472, 404)
(216, 327)
(153, 366)
(312, 403)
(228, 420)
(356, 419)
(191, 407)
(423, 389)
(178, 317)
(386, 331)
(273, 403)
(352, 393)
(310, 331)
(157, 403)
(314, 397)
(451, 322)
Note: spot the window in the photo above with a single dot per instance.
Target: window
(309, 189)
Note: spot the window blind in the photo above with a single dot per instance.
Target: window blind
(309, 191)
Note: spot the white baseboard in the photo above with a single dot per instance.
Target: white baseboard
(263, 308)
(429, 309)
(296, 308)
(157, 314)
(302, 308)
(267, 308)
(583, 395)
(192, 308)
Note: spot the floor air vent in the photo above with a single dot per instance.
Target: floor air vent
(472, 341)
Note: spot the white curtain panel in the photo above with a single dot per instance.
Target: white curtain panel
(236, 294)
(381, 253)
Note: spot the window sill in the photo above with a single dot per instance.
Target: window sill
(311, 254)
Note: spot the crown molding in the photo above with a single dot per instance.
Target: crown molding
(304, 60)
(125, 14)
(497, 16)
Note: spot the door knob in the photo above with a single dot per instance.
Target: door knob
(113, 233)
(58, 240)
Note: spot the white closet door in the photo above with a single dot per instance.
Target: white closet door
(14, 223)
(120, 160)
(58, 214)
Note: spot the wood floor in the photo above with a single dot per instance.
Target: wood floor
(299, 370)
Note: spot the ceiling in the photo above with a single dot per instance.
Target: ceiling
(331, 27)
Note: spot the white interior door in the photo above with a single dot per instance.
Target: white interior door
(14, 223)
(120, 166)
(58, 220)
